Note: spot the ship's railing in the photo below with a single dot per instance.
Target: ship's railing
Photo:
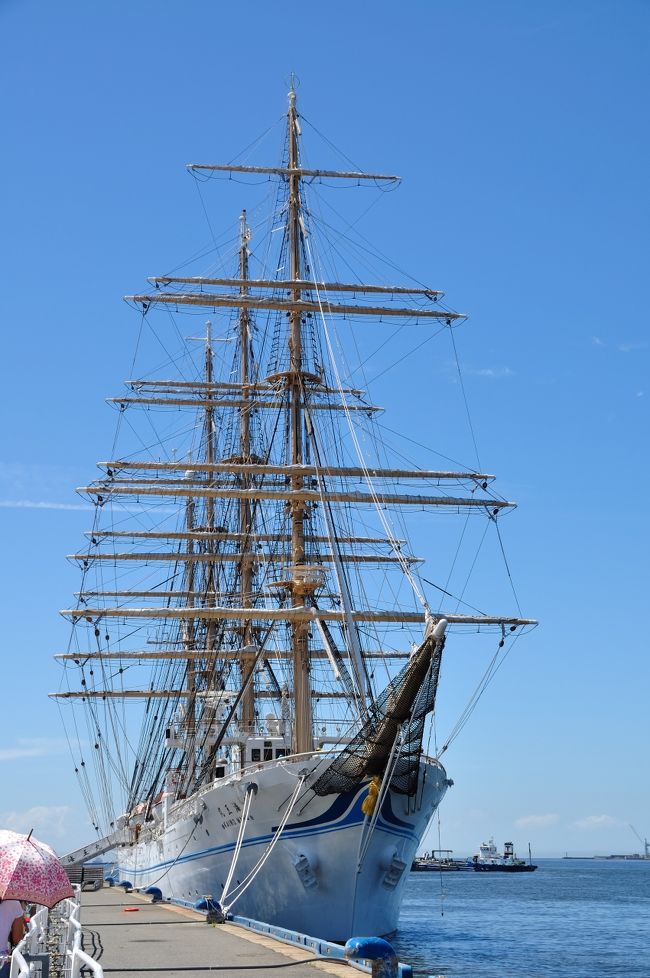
(190, 807)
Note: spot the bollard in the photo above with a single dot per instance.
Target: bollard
(155, 893)
(375, 950)
(215, 914)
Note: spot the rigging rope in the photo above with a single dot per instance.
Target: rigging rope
(387, 528)
(462, 387)
(177, 857)
(493, 666)
(505, 561)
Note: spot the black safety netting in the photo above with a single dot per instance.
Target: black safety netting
(400, 710)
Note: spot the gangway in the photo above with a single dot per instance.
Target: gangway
(97, 848)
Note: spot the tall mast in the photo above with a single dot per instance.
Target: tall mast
(247, 721)
(302, 732)
(211, 565)
(189, 643)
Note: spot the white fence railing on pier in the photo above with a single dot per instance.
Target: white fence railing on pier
(35, 938)
(32, 946)
(19, 966)
(52, 944)
(79, 959)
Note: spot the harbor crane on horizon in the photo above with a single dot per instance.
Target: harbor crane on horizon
(644, 843)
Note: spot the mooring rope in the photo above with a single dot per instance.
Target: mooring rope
(246, 882)
(251, 789)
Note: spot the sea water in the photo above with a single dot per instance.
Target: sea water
(569, 919)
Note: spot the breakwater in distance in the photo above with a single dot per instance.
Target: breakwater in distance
(571, 919)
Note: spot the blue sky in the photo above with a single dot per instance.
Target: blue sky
(521, 133)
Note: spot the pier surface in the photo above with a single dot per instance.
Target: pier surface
(128, 936)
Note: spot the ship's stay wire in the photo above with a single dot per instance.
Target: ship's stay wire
(173, 863)
(408, 354)
(333, 145)
(427, 448)
(457, 553)
(370, 249)
(336, 439)
(442, 888)
(385, 342)
(450, 594)
(493, 666)
(405, 567)
(462, 387)
(473, 564)
(362, 363)
(207, 218)
(505, 561)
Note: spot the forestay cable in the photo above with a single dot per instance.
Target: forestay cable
(368, 478)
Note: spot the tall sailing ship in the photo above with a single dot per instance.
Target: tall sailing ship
(253, 654)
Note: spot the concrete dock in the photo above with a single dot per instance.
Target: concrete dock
(128, 935)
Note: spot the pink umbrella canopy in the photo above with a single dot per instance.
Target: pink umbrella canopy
(31, 871)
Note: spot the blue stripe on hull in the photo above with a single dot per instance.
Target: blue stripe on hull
(312, 828)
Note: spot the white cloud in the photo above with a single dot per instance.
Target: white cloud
(84, 507)
(596, 340)
(598, 822)
(536, 821)
(35, 747)
(47, 821)
(22, 483)
(496, 373)
(631, 347)
(32, 504)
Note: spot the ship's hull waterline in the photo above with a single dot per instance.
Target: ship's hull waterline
(312, 881)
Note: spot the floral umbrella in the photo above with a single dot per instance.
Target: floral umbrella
(31, 871)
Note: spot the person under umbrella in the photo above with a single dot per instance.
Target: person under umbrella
(12, 928)
(31, 871)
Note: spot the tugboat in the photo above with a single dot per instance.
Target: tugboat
(488, 860)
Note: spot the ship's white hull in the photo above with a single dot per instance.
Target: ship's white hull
(313, 881)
